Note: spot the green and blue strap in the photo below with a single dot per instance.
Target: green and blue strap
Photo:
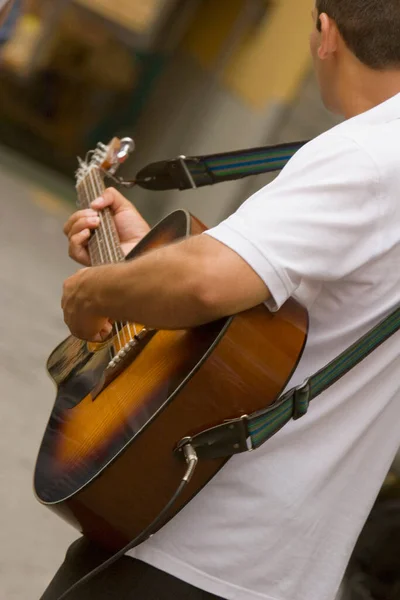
(184, 173)
(294, 404)
(250, 432)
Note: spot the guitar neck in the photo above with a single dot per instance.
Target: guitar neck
(104, 245)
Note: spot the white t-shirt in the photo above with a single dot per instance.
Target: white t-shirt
(280, 523)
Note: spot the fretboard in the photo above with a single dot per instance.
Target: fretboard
(104, 245)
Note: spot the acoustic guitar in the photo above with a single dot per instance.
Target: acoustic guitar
(109, 460)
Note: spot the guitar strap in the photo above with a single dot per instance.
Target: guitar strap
(185, 173)
(250, 432)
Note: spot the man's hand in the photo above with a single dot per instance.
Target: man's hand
(78, 308)
(130, 225)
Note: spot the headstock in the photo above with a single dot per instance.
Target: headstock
(106, 158)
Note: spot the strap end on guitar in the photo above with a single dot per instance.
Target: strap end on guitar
(181, 173)
(249, 432)
(222, 441)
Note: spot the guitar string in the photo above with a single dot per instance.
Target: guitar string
(100, 249)
(82, 204)
(108, 228)
(106, 225)
(96, 194)
(118, 259)
(99, 183)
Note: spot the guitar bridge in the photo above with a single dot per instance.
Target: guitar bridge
(127, 349)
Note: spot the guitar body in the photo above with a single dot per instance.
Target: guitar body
(107, 462)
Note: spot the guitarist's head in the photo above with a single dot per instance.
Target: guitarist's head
(355, 45)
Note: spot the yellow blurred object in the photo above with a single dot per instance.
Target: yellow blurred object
(137, 15)
(17, 53)
(272, 57)
(208, 33)
(273, 61)
(51, 204)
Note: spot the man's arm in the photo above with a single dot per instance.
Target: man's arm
(183, 285)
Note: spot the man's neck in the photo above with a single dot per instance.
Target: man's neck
(363, 88)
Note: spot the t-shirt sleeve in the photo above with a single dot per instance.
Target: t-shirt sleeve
(318, 221)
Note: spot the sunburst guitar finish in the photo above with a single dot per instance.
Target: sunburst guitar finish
(107, 463)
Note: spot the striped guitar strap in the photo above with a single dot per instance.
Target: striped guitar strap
(184, 173)
(250, 432)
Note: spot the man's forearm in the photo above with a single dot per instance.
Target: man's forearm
(184, 285)
(164, 290)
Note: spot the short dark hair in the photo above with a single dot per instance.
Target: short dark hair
(370, 28)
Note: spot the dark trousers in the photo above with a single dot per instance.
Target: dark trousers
(128, 579)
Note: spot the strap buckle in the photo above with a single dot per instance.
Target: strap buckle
(181, 160)
(222, 441)
(180, 172)
(301, 399)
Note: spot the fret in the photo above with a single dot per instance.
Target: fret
(94, 252)
(114, 239)
(112, 234)
(104, 245)
(82, 200)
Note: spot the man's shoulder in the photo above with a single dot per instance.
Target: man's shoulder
(369, 136)
(340, 147)
(348, 134)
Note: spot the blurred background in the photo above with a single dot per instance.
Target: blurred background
(180, 77)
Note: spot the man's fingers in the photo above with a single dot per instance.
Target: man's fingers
(80, 239)
(100, 337)
(112, 198)
(106, 331)
(80, 214)
(86, 222)
(77, 247)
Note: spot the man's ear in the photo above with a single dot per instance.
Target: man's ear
(329, 36)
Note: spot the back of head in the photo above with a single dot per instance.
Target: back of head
(370, 29)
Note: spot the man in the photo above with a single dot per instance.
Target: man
(279, 523)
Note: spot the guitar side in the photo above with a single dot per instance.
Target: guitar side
(107, 462)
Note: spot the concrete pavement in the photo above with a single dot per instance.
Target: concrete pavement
(33, 264)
